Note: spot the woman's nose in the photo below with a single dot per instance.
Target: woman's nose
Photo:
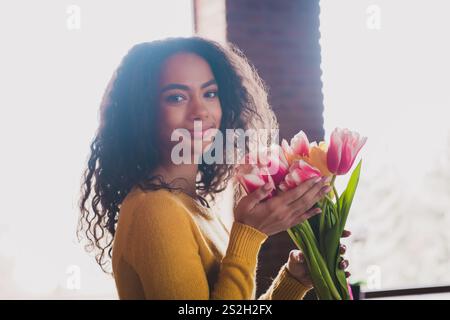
(199, 110)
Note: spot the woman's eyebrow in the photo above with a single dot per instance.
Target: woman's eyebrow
(185, 87)
(175, 86)
(210, 82)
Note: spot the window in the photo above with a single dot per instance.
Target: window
(56, 63)
(386, 73)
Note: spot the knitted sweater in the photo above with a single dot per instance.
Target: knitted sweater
(167, 246)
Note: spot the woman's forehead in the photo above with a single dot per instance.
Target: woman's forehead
(185, 68)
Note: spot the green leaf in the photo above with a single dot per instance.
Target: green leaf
(332, 239)
(319, 260)
(346, 198)
(314, 221)
(321, 287)
(304, 238)
(342, 281)
(295, 236)
(345, 202)
(332, 234)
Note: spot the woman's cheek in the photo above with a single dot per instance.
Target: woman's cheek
(174, 117)
(170, 120)
(218, 113)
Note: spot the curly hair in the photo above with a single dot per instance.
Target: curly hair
(123, 152)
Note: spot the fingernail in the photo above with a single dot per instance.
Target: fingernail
(317, 179)
(326, 179)
(268, 186)
(327, 189)
(343, 264)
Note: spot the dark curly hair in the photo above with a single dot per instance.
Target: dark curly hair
(123, 152)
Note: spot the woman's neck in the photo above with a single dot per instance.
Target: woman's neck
(180, 176)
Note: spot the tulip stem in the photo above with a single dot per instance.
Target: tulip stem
(335, 193)
(333, 179)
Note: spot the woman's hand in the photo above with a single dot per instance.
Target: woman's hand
(299, 270)
(283, 211)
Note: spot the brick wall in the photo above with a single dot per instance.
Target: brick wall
(281, 38)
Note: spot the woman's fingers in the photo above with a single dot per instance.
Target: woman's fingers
(297, 256)
(343, 264)
(252, 199)
(342, 249)
(346, 234)
(301, 257)
(299, 191)
(292, 254)
(303, 216)
(311, 197)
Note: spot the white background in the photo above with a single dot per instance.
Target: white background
(390, 81)
(52, 79)
(386, 78)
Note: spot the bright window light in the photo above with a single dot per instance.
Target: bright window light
(56, 62)
(386, 71)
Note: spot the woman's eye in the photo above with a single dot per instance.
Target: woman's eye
(211, 94)
(175, 98)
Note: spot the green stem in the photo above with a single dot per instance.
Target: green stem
(335, 194)
(293, 237)
(322, 225)
(315, 254)
(333, 178)
(320, 284)
(298, 236)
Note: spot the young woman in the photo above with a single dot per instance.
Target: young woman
(149, 216)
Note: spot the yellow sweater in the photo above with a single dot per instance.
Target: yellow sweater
(167, 246)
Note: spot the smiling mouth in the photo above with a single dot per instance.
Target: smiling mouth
(197, 134)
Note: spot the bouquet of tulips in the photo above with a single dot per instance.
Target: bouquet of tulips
(319, 237)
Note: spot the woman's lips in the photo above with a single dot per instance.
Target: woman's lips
(197, 134)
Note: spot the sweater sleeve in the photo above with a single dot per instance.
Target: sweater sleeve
(285, 287)
(165, 254)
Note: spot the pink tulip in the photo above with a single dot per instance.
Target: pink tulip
(299, 172)
(277, 164)
(255, 179)
(300, 144)
(272, 160)
(288, 152)
(343, 149)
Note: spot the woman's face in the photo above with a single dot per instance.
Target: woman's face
(187, 93)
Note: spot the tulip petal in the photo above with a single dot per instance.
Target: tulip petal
(308, 171)
(334, 151)
(287, 150)
(351, 147)
(300, 144)
(251, 182)
(357, 147)
(346, 155)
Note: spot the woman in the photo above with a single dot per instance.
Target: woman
(149, 216)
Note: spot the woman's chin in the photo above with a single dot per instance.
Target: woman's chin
(200, 151)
